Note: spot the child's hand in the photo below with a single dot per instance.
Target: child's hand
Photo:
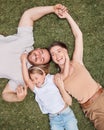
(66, 54)
(24, 57)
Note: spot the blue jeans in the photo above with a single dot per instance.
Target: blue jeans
(65, 120)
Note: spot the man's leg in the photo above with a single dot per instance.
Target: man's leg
(14, 96)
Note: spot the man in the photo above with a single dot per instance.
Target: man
(11, 48)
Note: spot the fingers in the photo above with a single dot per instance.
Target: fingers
(60, 10)
(60, 6)
(25, 89)
(65, 52)
(59, 83)
(58, 79)
(24, 57)
(21, 91)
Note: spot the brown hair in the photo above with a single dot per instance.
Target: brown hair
(58, 43)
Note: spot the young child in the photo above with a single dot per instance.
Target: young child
(48, 97)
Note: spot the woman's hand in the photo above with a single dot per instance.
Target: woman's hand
(60, 84)
(58, 81)
(60, 10)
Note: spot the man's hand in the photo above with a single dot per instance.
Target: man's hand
(21, 92)
(60, 10)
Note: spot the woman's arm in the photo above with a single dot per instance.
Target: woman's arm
(60, 77)
(78, 50)
(25, 74)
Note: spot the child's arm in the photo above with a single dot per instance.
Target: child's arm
(65, 72)
(25, 74)
(60, 77)
(59, 82)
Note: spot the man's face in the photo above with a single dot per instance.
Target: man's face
(39, 56)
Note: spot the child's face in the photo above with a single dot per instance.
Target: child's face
(38, 79)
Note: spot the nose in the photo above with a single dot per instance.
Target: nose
(40, 55)
(37, 56)
(56, 56)
(37, 82)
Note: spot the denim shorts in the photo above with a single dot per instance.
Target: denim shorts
(65, 120)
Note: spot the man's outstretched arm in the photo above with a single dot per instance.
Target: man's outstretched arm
(33, 14)
(10, 96)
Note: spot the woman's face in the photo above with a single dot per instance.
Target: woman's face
(58, 55)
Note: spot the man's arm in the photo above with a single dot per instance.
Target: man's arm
(33, 14)
(10, 96)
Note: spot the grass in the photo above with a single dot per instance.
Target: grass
(90, 17)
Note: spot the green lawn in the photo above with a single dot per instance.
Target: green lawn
(89, 14)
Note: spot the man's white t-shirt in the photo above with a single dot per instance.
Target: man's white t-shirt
(11, 48)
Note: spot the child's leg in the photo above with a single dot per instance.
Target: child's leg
(70, 122)
(56, 122)
(65, 120)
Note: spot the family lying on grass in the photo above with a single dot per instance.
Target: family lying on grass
(52, 92)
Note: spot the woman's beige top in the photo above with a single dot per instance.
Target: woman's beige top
(80, 84)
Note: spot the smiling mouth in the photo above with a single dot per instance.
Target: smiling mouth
(59, 59)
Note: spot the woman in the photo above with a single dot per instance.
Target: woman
(79, 83)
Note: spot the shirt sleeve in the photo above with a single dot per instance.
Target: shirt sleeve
(23, 40)
(26, 34)
(14, 84)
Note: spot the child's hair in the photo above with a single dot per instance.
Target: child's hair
(40, 69)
